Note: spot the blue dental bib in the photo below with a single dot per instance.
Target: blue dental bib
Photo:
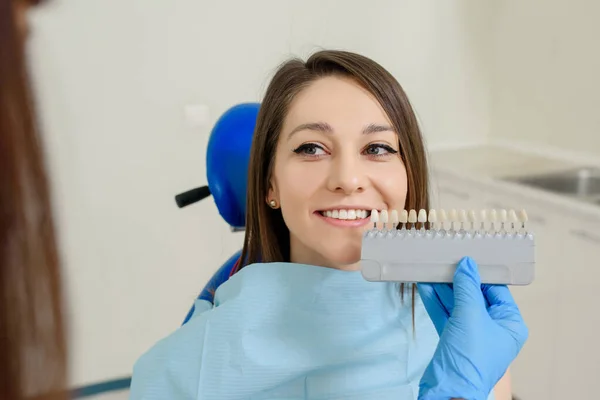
(292, 331)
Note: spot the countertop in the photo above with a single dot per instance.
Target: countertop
(491, 164)
(496, 162)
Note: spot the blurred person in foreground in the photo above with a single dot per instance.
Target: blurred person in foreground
(32, 338)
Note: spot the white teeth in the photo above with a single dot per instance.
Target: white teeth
(483, 215)
(374, 216)
(462, 216)
(422, 218)
(493, 216)
(346, 214)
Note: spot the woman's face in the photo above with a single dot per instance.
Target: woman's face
(336, 160)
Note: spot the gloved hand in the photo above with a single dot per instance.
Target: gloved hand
(481, 332)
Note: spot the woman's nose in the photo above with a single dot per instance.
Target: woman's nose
(346, 175)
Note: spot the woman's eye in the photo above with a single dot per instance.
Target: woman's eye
(310, 149)
(380, 150)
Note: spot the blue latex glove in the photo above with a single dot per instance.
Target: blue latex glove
(481, 332)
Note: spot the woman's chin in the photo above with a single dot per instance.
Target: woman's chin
(322, 251)
(349, 267)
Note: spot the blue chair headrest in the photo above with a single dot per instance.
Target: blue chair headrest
(227, 159)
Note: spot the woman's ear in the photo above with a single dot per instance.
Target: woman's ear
(272, 196)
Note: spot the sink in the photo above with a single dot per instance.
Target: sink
(582, 183)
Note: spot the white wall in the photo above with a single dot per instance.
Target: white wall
(113, 77)
(546, 79)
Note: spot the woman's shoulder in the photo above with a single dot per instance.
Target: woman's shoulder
(171, 367)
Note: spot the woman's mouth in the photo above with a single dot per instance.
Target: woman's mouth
(346, 214)
(345, 218)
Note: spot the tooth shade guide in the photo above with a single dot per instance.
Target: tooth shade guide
(433, 226)
(413, 257)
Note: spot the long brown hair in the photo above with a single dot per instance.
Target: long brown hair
(267, 237)
(32, 342)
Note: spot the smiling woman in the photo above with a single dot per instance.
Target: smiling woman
(336, 133)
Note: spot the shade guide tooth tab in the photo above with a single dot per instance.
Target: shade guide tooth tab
(374, 216)
(394, 218)
(384, 217)
(503, 215)
(404, 216)
(472, 216)
(432, 216)
(443, 217)
(453, 216)
(523, 216)
(483, 215)
(412, 216)
(493, 216)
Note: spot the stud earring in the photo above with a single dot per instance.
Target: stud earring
(273, 204)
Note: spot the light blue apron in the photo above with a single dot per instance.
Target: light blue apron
(292, 331)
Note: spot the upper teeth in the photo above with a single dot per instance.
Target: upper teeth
(346, 214)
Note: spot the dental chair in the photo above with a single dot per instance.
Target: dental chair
(227, 158)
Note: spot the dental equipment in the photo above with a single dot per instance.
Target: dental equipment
(425, 248)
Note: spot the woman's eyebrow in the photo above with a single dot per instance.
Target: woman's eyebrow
(374, 128)
(312, 126)
(324, 127)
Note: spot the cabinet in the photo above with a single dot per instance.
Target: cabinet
(534, 369)
(547, 226)
(561, 359)
(577, 359)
